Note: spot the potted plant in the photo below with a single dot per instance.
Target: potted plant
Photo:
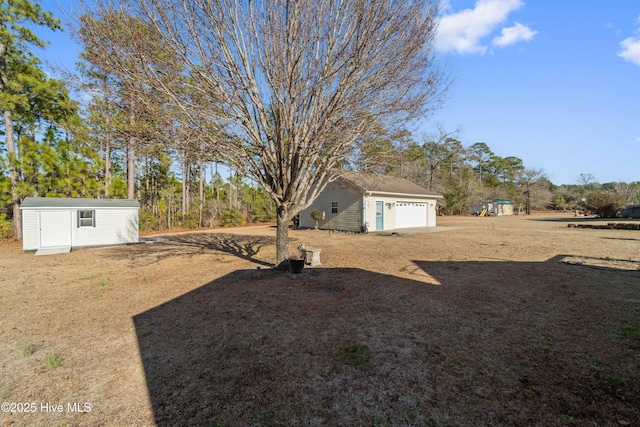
(296, 262)
(316, 215)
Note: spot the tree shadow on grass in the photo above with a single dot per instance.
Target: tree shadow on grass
(190, 244)
(498, 343)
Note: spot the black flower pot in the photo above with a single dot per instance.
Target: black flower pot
(296, 265)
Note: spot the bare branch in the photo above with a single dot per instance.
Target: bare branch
(297, 82)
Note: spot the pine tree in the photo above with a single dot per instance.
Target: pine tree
(17, 66)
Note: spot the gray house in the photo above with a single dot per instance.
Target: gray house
(51, 224)
(354, 201)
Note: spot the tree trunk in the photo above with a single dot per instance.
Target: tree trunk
(213, 189)
(107, 148)
(282, 237)
(230, 188)
(138, 182)
(169, 204)
(11, 151)
(131, 142)
(131, 187)
(13, 173)
(185, 172)
(201, 194)
(107, 168)
(154, 197)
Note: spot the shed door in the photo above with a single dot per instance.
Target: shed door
(55, 228)
(411, 214)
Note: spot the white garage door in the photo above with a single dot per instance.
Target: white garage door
(411, 214)
(55, 228)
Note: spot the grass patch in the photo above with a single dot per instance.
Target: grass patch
(52, 361)
(5, 391)
(616, 381)
(104, 283)
(91, 278)
(380, 422)
(595, 364)
(569, 419)
(356, 354)
(629, 331)
(28, 350)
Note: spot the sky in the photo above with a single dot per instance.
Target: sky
(555, 83)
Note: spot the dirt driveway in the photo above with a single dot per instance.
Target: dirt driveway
(495, 321)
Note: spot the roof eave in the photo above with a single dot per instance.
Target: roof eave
(389, 193)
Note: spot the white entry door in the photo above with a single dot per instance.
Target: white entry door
(55, 228)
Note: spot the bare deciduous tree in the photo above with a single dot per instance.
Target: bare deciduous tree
(438, 148)
(297, 82)
(534, 187)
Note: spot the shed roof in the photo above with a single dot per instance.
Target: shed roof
(63, 202)
(502, 201)
(385, 184)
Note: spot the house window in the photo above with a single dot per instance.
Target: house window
(86, 219)
(334, 207)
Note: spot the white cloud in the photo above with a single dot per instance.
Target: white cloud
(445, 5)
(462, 31)
(515, 34)
(630, 50)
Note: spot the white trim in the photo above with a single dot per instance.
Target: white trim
(364, 223)
(421, 196)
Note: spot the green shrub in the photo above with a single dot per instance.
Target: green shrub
(190, 220)
(148, 221)
(5, 227)
(231, 218)
(264, 213)
(604, 205)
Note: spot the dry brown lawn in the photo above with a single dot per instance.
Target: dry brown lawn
(506, 321)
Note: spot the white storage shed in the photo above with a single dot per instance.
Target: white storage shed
(59, 224)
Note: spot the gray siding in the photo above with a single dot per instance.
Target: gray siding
(630, 212)
(349, 216)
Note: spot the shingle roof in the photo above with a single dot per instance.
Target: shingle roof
(63, 202)
(385, 184)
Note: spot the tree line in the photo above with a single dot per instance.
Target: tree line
(276, 91)
(279, 99)
(471, 174)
